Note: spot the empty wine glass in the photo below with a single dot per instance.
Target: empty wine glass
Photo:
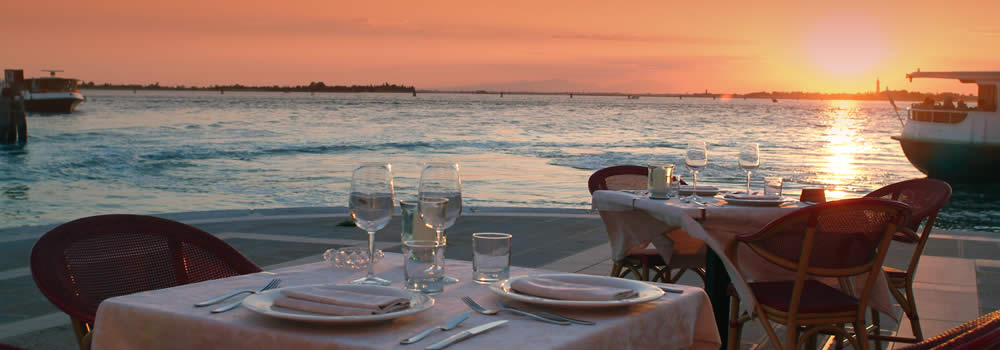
(443, 180)
(371, 203)
(749, 159)
(695, 159)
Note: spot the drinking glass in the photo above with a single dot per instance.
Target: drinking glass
(371, 203)
(443, 180)
(423, 266)
(695, 159)
(749, 159)
(490, 257)
(772, 185)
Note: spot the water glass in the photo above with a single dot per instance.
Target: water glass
(490, 257)
(772, 185)
(423, 266)
(413, 227)
(658, 180)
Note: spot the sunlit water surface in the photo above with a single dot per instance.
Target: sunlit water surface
(158, 152)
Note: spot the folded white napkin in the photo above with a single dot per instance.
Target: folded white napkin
(562, 290)
(753, 196)
(331, 301)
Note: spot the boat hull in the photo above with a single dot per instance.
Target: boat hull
(58, 102)
(954, 162)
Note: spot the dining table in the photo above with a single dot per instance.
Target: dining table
(167, 318)
(634, 220)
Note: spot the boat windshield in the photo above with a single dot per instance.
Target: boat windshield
(987, 98)
(50, 84)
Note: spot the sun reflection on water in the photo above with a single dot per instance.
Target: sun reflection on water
(843, 143)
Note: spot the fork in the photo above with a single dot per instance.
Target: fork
(208, 302)
(477, 308)
(551, 315)
(274, 284)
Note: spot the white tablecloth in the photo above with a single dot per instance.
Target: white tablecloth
(166, 319)
(632, 220)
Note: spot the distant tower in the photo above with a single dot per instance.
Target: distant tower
(877, 87)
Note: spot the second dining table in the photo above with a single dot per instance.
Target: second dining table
(633, 220)
(167, 319)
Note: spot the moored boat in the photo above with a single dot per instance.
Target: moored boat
(51, 94)
(955, 143)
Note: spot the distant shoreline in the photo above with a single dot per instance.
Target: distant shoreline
(900, 95)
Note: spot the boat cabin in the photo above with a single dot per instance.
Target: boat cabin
(51, 84)
(949, 113)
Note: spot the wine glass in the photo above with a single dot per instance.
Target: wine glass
(433, 212)
(442, 180)
(371, 203)
(749, 159)
(695, 159)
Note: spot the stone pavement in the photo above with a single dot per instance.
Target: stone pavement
(958, 279)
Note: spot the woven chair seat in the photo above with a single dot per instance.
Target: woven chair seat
(981, 333)
(816, 297)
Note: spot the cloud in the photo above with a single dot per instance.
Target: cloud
(663, 39)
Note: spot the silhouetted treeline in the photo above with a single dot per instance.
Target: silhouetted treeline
(317, 86)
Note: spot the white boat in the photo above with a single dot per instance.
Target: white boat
(51, 94)
(953, 143)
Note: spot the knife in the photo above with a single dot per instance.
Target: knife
(452, 323)
(464, 335)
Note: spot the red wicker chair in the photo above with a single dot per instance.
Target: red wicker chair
(834, 239)
(979, 334)
(689, 252)
(925, 197)
(83, 262)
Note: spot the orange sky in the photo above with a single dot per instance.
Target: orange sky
(655, 46)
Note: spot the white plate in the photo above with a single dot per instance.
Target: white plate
(756, 202)
(263, 303)
(646, 291)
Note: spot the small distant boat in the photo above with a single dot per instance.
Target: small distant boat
(633, 97)
(955, 143)
(774, 100)
(52, 94)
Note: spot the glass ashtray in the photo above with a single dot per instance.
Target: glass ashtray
(354, 258)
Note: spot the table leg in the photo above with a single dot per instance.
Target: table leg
(716, 285)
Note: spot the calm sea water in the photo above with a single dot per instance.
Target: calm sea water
(158, 152)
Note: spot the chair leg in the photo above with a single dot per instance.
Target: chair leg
(766, 323)
(912, 315)
(860, 334)
(876, 329)
(735, 326)
(616, 270)
(792, 335)
(82, 330)
(838, 343)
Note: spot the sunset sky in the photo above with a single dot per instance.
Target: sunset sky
(655, 46)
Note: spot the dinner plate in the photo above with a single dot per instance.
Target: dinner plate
(646, 292)
(756, 202)
(263, 303)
